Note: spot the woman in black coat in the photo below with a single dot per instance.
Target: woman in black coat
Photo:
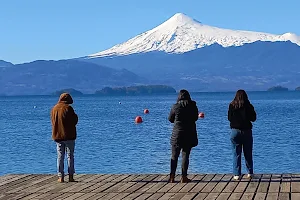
(240, 114)
(183, 114)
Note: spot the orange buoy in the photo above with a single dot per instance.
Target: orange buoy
(138, 119)
(146, 111)
(201, 115)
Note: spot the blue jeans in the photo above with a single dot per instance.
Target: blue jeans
(242, 140)
(62, 147)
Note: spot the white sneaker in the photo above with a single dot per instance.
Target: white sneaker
(249, 176)
(236, 178)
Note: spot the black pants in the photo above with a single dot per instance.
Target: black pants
(185, 159)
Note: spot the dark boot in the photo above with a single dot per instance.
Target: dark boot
(71, 178)
(185, 179)
(172, 178)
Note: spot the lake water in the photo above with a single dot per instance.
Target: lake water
(110, 142)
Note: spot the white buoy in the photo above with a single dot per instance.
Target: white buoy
(34, 106)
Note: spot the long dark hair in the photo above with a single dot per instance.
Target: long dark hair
(184, 95)
(240, 99)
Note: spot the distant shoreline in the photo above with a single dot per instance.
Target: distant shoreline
(192, 92)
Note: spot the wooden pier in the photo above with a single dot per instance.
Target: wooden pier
(150, 186)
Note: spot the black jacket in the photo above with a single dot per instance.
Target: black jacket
(184, 114)
(241, 118)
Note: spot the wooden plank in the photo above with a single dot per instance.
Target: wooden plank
(92, 186)
(111, 178)
(222, 184)
(260, 196)
(132, 196)
(295, 196)
(275, 183)
(212, 196)
(203, 183)
(200, 196)
(211, 185)
(80, 186)
(177, 196)
(285, 183)
(272, 196)
(247, 196)
(146, 187)
(198, 177)
(155, 196)
(283, 196)
(101, 178)
(135, 187)
(74, 196)
(143, 196)
(21, 183)
(253, 185)
(30, 196)
(241, 187)
(140, 177)
(150, 178)
(90, 178)
(121, 178)
(187, 187)
(130, 178)
(166, 196)
(17, 183)
(109, 196)
(97, 196)
(285, 187)
(104, 187)
(86, 196)
(230, 187)
(167, 187)
(12, 179)
(160, 178)
(177, 187)
(116, 187)
(156, 187)
(18, 196)
(33, 188)
(235, 196)
(32, 183)
(120, 196)
(223, 196)
(189, 196)
(295, 187)
(264, 183)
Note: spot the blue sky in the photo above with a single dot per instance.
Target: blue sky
(56, 29)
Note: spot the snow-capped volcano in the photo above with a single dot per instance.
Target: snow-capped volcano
(181, 34)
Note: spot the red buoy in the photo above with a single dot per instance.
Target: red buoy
(138, 119)
(201, 115)
(146, 111)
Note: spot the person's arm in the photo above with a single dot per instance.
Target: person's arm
(252, 114)
(196, 113)
(172, 116)
(229, 113)
(72, 115)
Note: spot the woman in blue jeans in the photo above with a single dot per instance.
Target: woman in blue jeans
(240, 114)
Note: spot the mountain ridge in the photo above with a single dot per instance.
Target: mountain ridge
(181, 34)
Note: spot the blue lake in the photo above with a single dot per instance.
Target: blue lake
(110, 142)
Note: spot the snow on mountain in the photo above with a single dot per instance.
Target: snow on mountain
(181, 34)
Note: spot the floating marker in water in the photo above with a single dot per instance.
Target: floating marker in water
(119, 102)
(138, 120)
(201, 115)
(34, 106)
(146, 111)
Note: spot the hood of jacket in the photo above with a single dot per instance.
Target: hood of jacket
(65, 98)
(184, 103)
